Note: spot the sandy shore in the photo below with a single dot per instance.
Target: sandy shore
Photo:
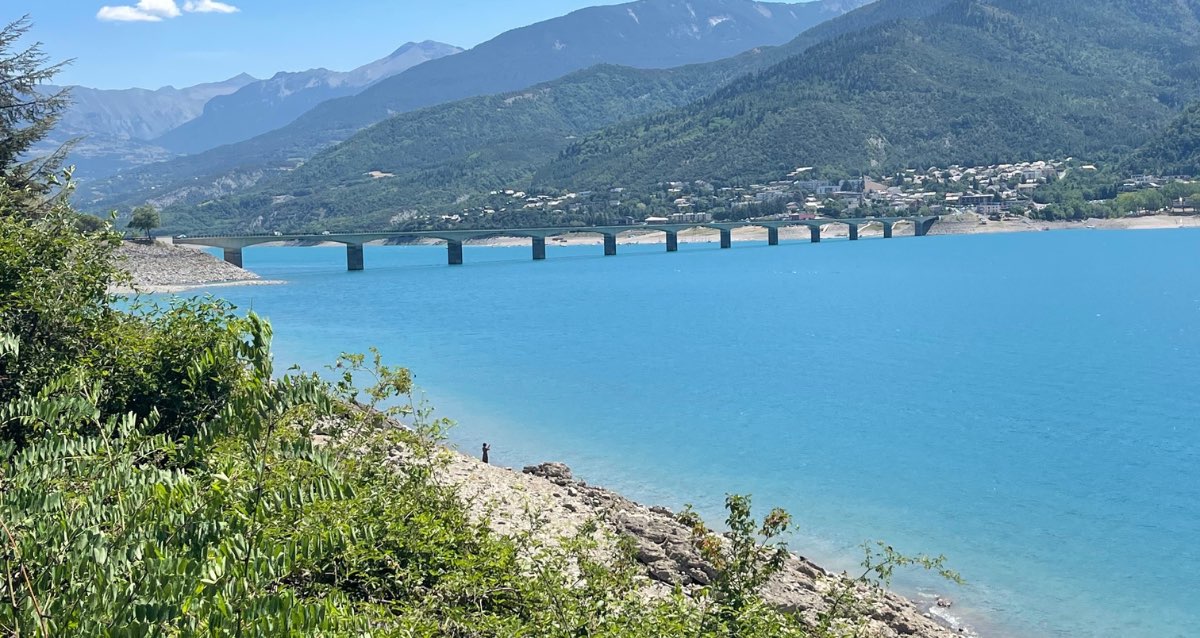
(161, 267)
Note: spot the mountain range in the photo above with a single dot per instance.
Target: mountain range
(269, 104)
(890, 85)
(141, 114)
(119, 129)
(895, 84)
(644, 34)
(114, 127)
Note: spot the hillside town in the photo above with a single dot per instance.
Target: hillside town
(996, 191)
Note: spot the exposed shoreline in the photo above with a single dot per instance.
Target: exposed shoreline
(957, 224)
(161, 267)
(505, 497)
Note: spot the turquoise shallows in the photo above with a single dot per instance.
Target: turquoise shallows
(1027, 404)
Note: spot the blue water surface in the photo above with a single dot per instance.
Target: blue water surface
(1025, 404)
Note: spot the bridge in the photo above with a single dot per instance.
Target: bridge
(232, 245)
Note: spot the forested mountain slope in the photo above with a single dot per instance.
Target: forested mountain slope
(974, 82)
(429, 159)
(1174, 151)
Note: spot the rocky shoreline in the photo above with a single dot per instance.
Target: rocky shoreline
(562, 505)
(160, 267)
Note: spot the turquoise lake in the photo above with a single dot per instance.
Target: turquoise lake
(1025, 404)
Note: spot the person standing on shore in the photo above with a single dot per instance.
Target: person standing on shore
(486, 448)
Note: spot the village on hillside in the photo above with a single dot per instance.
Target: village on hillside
(997, 192)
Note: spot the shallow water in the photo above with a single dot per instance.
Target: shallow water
(1025, 404)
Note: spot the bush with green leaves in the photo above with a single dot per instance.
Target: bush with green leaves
(53, 291)
(55, 299)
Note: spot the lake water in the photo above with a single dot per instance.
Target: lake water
(1025, 404)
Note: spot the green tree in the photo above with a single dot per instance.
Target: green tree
(27, 111)
(145, 218)
(89, 224)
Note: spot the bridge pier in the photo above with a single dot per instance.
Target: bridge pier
(924, 226)
(672, 241)
(610, 245)
(815, 233)
(539, 248)
(454, 253)
(234, 256)
(726, 238)
(354, 257)
(887, 230)
(853, 232)
(772, 236)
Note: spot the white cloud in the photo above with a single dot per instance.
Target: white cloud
(159, 10)
(125, 14)
(208, 6)
(143, 11)
(163, 8)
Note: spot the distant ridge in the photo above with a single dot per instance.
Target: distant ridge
(266, 105)
(124, 128)
(117, 124)
(140, 114)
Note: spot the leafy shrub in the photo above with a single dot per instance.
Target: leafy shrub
(55, 301)
(53, 292)
(179, 361)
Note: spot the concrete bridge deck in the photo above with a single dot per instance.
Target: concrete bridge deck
(232, 245)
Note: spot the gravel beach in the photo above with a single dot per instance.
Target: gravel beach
(160, 267)
(562, 504)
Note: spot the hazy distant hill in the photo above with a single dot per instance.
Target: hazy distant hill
(119, 123)
(140, 114)
(645, 34)
(124, 128)
(974, 82)
(266, 105)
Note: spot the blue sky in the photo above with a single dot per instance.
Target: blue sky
(153, 43)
